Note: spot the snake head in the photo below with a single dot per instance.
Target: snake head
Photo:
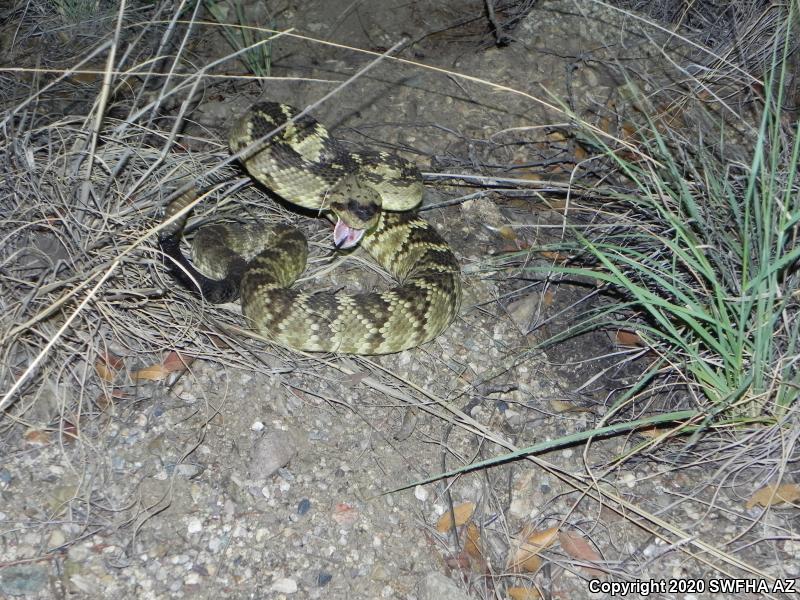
(357, 208)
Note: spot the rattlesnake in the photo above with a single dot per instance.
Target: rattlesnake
(306, 166)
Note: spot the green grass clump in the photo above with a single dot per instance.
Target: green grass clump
(705, 262)
(244, 37)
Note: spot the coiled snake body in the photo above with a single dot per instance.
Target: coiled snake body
(307, 167)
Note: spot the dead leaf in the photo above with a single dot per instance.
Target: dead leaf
(652, 432)
(554, 256)
(524, 563)
(628, 131)
(173, 362)
(561, 406)
(70, 430)
(772, 494)
(151, 373)
(580, 153)
(629, 338)
(219, 343)
(461, 514)
(529, 544)
(507, 233)
(523, 593)
(578, 548)
(104, 372)
(107, 366)
(37, 437)
(472, 541)
(542, 539)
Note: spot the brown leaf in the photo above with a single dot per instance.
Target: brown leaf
(112, 360)
(578, 548)
(104, 372)
(472, 541)
(37, 437)
(543, 538)
(629, 338)
(524, 563)
(461, 514)
(151, 373)
(561, 406)
(556, 136)
(652, 432)
(70, 430)
(523, 593)
(107, 366)
(529, 544)
(173, 362)
(775, 494)
(580, 153)
(219, 342)
(628, 131)
(507, 233)
(554, 256)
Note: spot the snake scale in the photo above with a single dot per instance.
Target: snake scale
(365, 194)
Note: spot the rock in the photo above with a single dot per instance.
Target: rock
(22, 580)
(273, 451)
(284, 585)
(437, 585)
(303, 506)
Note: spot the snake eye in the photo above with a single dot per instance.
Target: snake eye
(364, 212)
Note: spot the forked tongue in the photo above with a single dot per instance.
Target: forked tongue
(345, 236)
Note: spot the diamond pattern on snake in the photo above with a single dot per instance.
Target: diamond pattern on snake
(370, 196)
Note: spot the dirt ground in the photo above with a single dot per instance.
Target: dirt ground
(259, 472)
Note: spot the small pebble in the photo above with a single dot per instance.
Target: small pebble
(192, 579)
(56, 539)
(5, 478)
(194, 526)
(284, 586)
(421, 493)
(189, 470)
(303, 506)
(323, 578)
